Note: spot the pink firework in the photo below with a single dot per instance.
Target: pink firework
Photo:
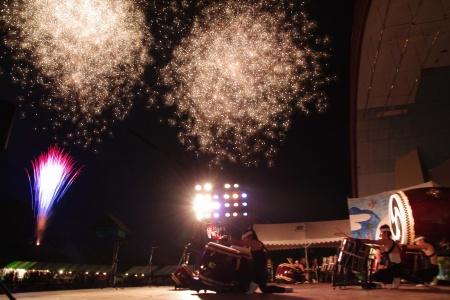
(53, 173)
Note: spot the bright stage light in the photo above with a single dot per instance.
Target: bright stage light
(227, 185)
(235, 185)
(235, 204)
(216, 196)
(198, 187)
(244, 203)
(235, 214)
(227, 204)
(245, 214)
(226, 196)
(216, 205)
(227, 215)
(235, 196)
(216, 215)
(207, 186)
(244, 195)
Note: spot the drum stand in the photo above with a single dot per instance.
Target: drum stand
(359, 262)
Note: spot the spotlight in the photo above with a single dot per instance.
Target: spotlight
(227, 185)
(235, 185)
(226, 196)
(207, 186)
(227, 204)
(235, 196)
(235, 204)
(216, 205)
(244, 203)
(235, 214)
(216, 215)
(216, 196)
(244, 195)
(198, 187)
(245, 214)
(227, 215)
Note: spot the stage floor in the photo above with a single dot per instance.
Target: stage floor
(305, 291)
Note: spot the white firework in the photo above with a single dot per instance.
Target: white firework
(236, 78)
(90, 54)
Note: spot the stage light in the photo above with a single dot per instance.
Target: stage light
(235, 204)
(227, 204)
(235, 214)
(227, 215)
(216, 205)
(216, 196)
(216, 215)
(198, 187)
(199, 216)
(207, 186)
(244, 203)
(104, 273)
(126, 274)
(96, 273)
(244, 195)
(226, 196)
(61, 271)
(227, 185)
(235, 185)
(87, 273)
(245, 214)
(235, 196)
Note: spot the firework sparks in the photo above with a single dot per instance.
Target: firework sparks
(53, 173)
(239, 74)
(90, 54)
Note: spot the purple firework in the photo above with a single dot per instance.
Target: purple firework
(53, 173)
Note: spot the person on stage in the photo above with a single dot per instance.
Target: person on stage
(430, 268)
(258, 276)
(391, 258)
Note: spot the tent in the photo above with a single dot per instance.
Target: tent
(303, 235)
(298, 235)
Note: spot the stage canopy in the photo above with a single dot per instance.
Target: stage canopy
(305, 234)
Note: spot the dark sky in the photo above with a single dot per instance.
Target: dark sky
(144, 176)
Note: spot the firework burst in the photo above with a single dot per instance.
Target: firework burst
(89, 54)
(238, 75)
(52, 174)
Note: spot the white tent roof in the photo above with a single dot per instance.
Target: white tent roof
(298, 235)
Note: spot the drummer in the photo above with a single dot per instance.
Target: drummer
(391, 258)
(259, 271)
(431, 268)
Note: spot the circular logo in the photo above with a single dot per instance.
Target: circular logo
(399, 219)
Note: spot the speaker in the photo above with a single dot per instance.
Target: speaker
(7, 111)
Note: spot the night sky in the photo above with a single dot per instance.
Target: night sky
(145, 177)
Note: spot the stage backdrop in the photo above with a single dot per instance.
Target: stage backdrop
(368, 213)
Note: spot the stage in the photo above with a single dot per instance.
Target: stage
(305, 291)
